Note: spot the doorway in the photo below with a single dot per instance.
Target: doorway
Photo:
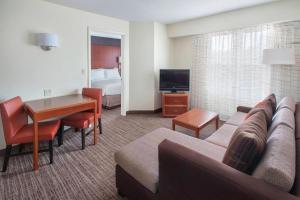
(105, 68)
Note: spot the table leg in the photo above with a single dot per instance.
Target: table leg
(35, 146)
(197, 133)
(95, 124)
(173, 125)
(217, 122)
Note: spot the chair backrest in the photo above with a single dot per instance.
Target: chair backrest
(13, 117)
(94, 93)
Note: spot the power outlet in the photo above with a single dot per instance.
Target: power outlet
(47, 92)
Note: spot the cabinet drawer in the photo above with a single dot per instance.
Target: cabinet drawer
(176, 100)
(169, 110)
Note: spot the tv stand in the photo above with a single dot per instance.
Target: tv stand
(174, 104)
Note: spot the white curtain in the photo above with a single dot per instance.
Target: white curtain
(227, 68)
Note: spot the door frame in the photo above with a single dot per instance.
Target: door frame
(124, 76)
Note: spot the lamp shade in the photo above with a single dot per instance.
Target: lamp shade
(281, 56)
(47, 40)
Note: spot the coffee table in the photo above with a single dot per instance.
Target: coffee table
(196, 119)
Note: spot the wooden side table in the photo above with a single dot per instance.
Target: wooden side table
(196, 119)
(174, 104)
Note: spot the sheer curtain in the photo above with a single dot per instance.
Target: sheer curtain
(227, 67)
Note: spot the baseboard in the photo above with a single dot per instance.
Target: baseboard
(159, 110)
(110, 108)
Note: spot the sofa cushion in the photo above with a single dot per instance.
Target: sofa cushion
(248, 143)
(283, 116)
(237, 118)
(140, 157)
(265, 107)
(272, 99)
(277, 165)
(223, 135)
(287, 102)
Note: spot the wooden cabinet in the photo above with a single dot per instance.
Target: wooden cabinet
(174, 104)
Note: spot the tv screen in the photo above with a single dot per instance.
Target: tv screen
(174, 80)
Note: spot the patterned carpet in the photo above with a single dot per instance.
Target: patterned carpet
(76, 173)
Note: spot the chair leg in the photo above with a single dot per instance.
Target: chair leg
(60, 136)
(83, 139)
(51, 151)
(100, 125)
(6, 157)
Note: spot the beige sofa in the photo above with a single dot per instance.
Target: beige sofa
(140, 159)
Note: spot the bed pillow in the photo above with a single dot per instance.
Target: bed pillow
(112, 74)
(97, 74)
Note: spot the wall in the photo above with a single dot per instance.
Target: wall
(182, 33)
(182, 52)
(150, 50)
(162, 57)
(277, 11)
(26, 69)
(141, 66)
(105, 41)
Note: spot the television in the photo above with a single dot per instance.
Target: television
(174, 80)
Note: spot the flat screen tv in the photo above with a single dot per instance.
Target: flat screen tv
(174, 80)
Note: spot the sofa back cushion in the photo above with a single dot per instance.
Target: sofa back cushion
(287, 102)
(284, 116)
(248, 143)
(277, 165)
(264, 106)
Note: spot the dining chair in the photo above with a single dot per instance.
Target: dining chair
(17, 130)
(82, 120)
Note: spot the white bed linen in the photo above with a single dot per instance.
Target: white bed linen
(109, 87)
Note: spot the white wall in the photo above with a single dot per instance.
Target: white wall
(277, 11)
(182, 52)
(26, 69)
(141, 65)
(150, 50)
(162, 57)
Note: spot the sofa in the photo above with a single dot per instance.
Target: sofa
(169, 165)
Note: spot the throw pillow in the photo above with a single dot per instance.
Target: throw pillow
(272, 99)
(265, 107)
(248, 144)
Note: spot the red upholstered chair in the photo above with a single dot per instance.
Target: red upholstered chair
(83, 120)
(18, 131)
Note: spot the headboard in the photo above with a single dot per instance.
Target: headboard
(105, 56)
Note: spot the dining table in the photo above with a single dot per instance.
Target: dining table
(57, 107)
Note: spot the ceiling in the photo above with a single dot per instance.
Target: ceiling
(164, 11)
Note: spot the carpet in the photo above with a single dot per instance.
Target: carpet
(80, 174)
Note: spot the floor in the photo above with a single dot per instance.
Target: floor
(76, 173)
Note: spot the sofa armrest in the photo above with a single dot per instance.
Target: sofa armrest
(187, 175)
(243, 109)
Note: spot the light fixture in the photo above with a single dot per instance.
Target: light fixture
(47, 40)
(280, 56)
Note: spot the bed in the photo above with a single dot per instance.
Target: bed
(109, 80)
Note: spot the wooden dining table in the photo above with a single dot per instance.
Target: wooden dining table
(57, 107)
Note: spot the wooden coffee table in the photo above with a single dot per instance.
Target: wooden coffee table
(196, 119)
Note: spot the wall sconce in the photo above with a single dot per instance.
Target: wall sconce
(47, 40)
(280, 56)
